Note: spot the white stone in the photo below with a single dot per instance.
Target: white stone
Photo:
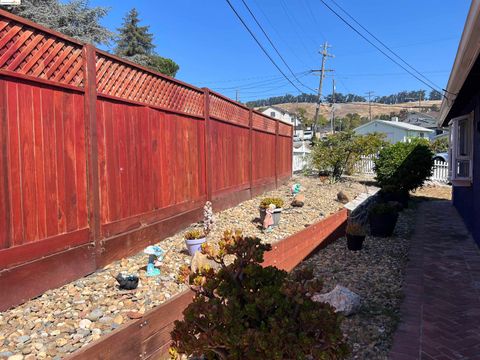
(85, 324)
(342, 299)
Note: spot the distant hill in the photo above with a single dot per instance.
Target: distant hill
(362, 108)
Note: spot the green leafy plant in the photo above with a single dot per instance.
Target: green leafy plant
(404, 166)
(383, 208)
(338, 153)
(439, 145)
(246, 311)
(194, 234)
(275, 201)
(355, 229)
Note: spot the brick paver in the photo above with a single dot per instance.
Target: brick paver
(441, 310)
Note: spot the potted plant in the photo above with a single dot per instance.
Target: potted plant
(383, 218)
(392, 193)
(355, 235)
(265, 203)
(194, 239)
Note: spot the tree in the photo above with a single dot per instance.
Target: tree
(340, 151)
(301, 115)
(74, 18)
(135, 43)
(435, 95)
(439, 145)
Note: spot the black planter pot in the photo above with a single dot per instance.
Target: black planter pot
(355, 242)
(401, 197)
(382, 225)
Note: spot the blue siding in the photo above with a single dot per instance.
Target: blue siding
(467, 199)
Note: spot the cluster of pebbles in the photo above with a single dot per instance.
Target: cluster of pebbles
(65, 319)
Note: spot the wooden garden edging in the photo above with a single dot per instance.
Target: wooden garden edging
(149, 337)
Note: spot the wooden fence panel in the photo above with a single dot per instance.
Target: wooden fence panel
(263, 157)
(148, 160)
(230, 156)
(284, 160)
(44, 162)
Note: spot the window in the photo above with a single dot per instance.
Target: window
(422, 135)
(461, 150)
(272, 114)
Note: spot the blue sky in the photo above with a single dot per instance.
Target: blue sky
(213, 49)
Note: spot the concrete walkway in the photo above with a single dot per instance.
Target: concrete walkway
(441, 310)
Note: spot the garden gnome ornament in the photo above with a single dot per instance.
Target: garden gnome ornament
(295, 189)
(154, 252)
(268, 221)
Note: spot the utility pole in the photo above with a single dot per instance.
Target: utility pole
(322, 71)
(369, 94)
(236, 95)
(333, 106)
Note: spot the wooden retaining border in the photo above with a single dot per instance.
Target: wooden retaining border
(149, 336)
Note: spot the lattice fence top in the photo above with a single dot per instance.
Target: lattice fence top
(284, 129)
(30, 51)
(122, 80)
(228, 111)
(263, 123)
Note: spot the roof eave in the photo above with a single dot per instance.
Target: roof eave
(467, 53)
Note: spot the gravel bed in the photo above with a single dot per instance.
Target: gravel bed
(65, 319)
(376, 274)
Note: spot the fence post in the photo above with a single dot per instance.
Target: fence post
(208, 147)
(93, 186)
(250, 145)
(277, 122)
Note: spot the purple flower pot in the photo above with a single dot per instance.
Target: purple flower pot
(194, 245)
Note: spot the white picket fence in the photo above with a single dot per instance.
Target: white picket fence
(440, 168)
(300, 158)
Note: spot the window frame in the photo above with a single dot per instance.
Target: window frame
(454, 150)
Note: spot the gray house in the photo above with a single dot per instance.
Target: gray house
(395, 131)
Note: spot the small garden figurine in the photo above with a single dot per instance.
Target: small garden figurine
(268, 221)
(153, 252)
(295, 189)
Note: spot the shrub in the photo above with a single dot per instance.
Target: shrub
(355, 229)
(338, 152)
(383, 208)
(404, 166)
(194, 234)
(439, 145)
(275, 201)
(246, 311)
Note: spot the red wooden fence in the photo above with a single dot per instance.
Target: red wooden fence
(100, 157)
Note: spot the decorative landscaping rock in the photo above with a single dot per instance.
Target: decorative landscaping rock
(298, 200)
(342, 299)
(342, 198)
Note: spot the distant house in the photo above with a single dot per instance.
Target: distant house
(395, 131)
(424, 120)
(460, 110)
(282, 115)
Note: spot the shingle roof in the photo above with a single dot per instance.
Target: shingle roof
(398, 124)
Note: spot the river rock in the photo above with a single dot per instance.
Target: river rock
(85, 324)
(95, 314)
(298, 200)
(341, 197)
(342, 299)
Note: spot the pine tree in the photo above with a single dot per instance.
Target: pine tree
(134, 39)
(135, 43)
(74, 18)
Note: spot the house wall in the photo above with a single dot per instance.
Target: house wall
(285, 117)
(393, 134)
(467, 199)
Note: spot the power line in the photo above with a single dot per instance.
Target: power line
(378, 48)
(261, 46)
(260, 83)
(385, 46)
(273, 46)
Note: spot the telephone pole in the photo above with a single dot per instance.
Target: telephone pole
(333, 106)
(369, 94)
(322, 71)
(236, 95)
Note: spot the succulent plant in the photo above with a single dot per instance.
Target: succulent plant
(275, 201)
